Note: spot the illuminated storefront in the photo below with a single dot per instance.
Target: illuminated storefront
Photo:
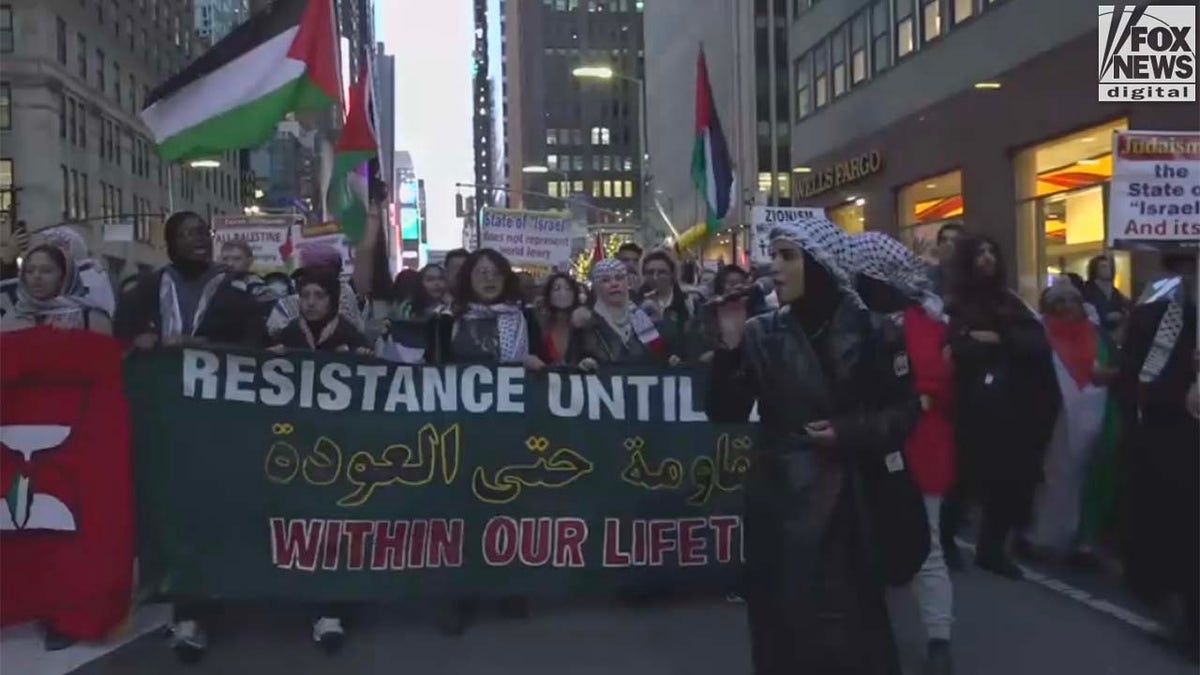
(925, 206)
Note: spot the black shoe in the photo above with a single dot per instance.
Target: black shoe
(953, 556)
(55, 641)
(329, 634)
(938, 661)
(1000, 565)
(188, 641)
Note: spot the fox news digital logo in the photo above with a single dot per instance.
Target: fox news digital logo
(1148, 53)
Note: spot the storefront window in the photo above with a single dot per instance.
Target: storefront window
(927, 205)
(1061, 215)
(849, 216)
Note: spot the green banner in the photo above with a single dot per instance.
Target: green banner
(329, 477)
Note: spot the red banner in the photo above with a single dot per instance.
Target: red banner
(67, 522)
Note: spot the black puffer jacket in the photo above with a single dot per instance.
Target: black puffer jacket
(814, 584)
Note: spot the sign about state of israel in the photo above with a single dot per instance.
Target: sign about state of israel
(1155, 191)
(528, 238)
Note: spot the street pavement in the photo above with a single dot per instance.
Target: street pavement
(1059, 623)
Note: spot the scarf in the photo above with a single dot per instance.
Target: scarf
(1076, 344)
(168, 304)
(1169, 326)
(633, 321)
(827, 244)
(882, 258)
(510, 325)
(315, 341)
(65, 310)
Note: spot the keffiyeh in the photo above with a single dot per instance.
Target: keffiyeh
(1169, 326)
(827, 243)
(510, 325)
(882, 258)
(608, 266)
(64, 310)
(94, 289)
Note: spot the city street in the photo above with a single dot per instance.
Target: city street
(1035, 627)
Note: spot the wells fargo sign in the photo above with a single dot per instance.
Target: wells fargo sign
(842, 173)
(327, 477)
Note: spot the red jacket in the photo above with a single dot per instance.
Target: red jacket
(930, 447)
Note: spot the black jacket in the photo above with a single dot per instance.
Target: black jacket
(814, 586)
(345, 337)
(232, 318)
(440, 340)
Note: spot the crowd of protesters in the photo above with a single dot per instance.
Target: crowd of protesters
(1071, 426)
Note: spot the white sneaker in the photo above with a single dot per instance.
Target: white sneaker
(328, 633)
(188, 641)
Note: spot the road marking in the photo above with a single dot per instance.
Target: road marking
(1086, 599)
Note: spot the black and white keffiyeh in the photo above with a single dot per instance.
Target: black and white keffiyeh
(880, 257)
(1170, 326)
(827, 243)
(512, 329)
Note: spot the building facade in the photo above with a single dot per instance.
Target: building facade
(581, 135)
(215, 18)
(72, 147)
(745, 45)
(909, 113)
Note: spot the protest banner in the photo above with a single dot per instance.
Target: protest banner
(763, 218)
(337, 240)
(528, 237)
(269, 238)
(67, 515)
(338, 478)
(1154, 196)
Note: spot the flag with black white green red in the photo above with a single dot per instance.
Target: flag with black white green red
(280, 61)
(712, 171)
(348, 195)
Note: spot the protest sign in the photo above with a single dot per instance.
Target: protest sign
(336, 478)
(271, 245)
(763, 218)
(1155, 193)
(528, 237)
(338, 241)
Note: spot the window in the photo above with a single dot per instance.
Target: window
(146, 44)
(60, 40)
(6, 183)
(72, 122)
(577, 136)
(116, 19)
(117, 81)
(963, 10)
(66, 191)
(5, 106)
(628, 188)
(552, 188)
(858, 49)
(6, 29)
(85, 201)
(62, 115)
(133, 94)
(905, 28)
(821, 78)
(577, 162)
(129, 32)
(837, 44)
(101, 82)
(605, 138)
(552, 161)
(596, 189)
(551, 137)
(931, 14)
(607, 163)
(881, 37)
(577, 187)
(608, 188)
(74, 193)
(82, 125)
(803, 87)
(81, 55)
(1061, 211)
(926, 205)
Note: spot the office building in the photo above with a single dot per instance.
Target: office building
(72, 147)
(909, 113)
(745, 45)
(533, 112)
(385, 107)
(216, 18)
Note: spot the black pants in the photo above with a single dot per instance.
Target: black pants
(1005, 507)
(954, 507)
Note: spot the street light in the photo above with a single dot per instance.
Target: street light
(205, 164)
(600, 72)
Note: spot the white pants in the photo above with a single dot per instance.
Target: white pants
(931, 586)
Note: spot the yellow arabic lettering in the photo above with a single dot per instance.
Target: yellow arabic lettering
(324, 464)
(669, 473)
(283, 461)
(724, 471)
(563, 467)
(366, 473)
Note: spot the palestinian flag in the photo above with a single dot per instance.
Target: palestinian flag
(348, 183)
(712, 171)
(280, 61)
